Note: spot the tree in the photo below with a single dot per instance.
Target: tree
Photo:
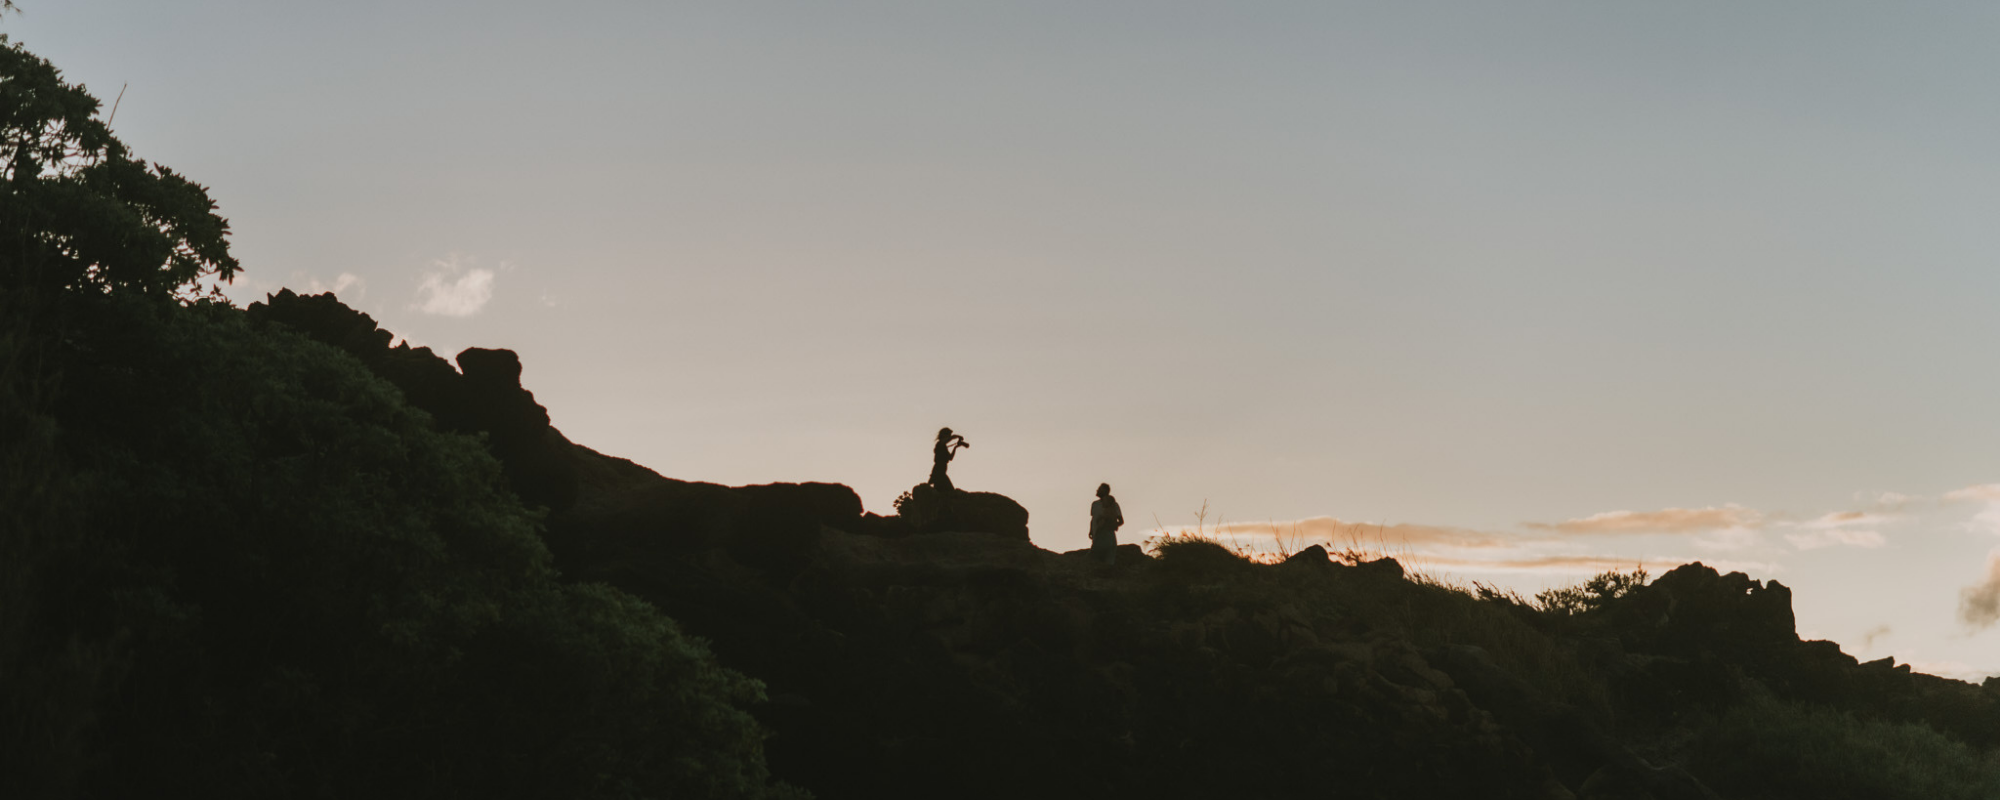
(78, 212)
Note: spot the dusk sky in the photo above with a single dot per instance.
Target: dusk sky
(1523, 290)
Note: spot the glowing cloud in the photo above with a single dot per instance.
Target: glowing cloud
(1666, 520)
(1577, 564)
(1364, 535)
(453, 288)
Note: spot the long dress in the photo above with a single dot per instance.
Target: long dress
(940, 456)
(1104, 521)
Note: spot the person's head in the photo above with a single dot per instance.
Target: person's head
(1104, 490)
(943, 434)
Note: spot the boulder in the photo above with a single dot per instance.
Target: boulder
(930, 510)
(831, 504)
(1314, 556)
(1384, 568)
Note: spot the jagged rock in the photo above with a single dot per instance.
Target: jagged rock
(1692, 608)
(486, 397)
(930, 510)
(1314, 556)
(1383, 568)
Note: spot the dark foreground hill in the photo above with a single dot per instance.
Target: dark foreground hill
(906, 656)
(261, 553)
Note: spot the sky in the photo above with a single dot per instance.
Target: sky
(1516, 291)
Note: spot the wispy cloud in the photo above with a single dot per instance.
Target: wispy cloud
(454, 288)
(1872, 635)
(1578, 564)
(1988, 518)
(1979, 604)
(1366, 535)
(1666, 520)
(1813, 540)
(1851, 528)
(1987, 492)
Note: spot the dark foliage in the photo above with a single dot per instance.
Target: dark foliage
(77, 211)
(306, 589)
(310, 590)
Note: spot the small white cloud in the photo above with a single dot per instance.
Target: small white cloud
(341, 283)
(454, 288)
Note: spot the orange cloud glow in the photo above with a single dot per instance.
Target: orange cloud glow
(1666, 520)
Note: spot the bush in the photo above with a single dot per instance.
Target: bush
(1193, 556)
(321, 594)
(1590, 595)
(1766, 748)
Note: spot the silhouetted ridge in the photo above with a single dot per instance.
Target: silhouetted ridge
(939, 647)
(483, 395)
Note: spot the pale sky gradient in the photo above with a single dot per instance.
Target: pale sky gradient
(1611, 284)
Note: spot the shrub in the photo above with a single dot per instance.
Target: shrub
(1766, 748)
(1591, 594)
(325, 595)
(1190, 555)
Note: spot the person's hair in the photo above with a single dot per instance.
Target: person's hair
(1103, 490)
(943, 432)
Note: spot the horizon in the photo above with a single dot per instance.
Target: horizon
(1538, 291)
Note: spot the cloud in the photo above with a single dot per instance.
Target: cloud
(341, 283)
(1578, 564)
(1895, 501)
(1979, 604)
(1839, 527)
(454, 288)
(1987, 492)
(1988, 518)
(1817, 539)
(1666, 520)
(1364, 535)
(1870, 636)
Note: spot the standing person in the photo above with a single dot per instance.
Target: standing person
(1104, 521)
(947, 446)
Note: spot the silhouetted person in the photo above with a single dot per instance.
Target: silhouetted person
(947, 446)
(1104, 521)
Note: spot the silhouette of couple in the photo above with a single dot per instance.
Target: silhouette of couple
(1105, 516)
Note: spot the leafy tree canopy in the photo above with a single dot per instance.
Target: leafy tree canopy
(78, 212)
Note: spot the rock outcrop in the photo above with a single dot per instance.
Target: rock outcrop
(484, 395)
(931, 510)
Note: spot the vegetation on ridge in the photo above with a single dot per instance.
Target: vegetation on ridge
(238, 564)
(236, 561)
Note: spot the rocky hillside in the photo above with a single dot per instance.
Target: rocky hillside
(941, 651)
